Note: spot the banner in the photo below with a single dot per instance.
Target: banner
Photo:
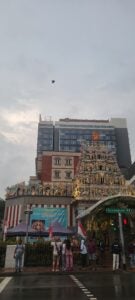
(42, 218)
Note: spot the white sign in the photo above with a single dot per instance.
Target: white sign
(9, 260)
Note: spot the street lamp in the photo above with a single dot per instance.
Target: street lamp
(28, 212)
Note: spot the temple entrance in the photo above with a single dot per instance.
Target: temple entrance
(102, 218)
(102, 221)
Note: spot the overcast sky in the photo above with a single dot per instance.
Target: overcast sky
(86, 46)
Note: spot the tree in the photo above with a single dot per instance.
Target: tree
(2, 208)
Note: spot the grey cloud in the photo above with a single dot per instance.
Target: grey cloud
(14, 164)
(86, 46)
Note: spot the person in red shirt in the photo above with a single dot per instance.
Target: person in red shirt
(91, 246)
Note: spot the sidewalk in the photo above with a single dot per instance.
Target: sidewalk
(48, 270)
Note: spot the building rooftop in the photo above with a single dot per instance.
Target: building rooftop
(82, 120)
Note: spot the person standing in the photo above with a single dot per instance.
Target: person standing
(116, 250)
(63, 255)
(83, 251)
(101, 251)
(69, 256)
(18, 255)
(131, 252)
(56, 244)
(92, 249)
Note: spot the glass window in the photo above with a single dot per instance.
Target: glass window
(57, 174)
(68, 162)
(58, 161)
(68, 175)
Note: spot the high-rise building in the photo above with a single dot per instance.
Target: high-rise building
(67, 135)
(69, 177)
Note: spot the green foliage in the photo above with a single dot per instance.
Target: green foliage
(2, 208)
(11, 241)
(2, 253)
(38, 254)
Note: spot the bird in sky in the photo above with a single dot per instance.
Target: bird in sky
(53, 81)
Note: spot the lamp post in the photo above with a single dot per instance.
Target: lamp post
(28, 212)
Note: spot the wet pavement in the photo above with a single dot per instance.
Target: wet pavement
(42, 287)
(46, 270)
(110, 286)
(87, 285)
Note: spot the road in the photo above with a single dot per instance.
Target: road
(93, 286)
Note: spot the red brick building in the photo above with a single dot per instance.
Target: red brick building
(56, 166)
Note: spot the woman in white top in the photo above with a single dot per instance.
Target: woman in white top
(56, 244)
(64, 255)
(83, 251)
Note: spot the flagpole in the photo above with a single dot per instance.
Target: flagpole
(50, 230)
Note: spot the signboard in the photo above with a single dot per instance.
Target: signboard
(42, 217)
(111, 210)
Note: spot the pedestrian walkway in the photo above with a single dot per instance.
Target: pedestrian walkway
(41, 270)
(48, 270)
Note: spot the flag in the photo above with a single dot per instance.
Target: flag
(81, 230)
(5, 229)
(50, 230)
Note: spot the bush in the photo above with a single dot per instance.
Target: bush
(39, 254)
(2, 253)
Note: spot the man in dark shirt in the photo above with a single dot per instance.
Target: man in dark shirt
(116, 249)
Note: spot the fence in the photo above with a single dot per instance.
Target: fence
(38, 254)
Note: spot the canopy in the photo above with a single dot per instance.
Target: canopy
(20, 230)
(58, 229)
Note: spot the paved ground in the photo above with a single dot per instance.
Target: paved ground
(80, 286)
(46, 270)
(49, 269)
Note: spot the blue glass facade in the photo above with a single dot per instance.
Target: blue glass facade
(45, 138)
(71, 139)
(67, 135)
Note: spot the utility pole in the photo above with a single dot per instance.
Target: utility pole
(28, 212)
(122, 240)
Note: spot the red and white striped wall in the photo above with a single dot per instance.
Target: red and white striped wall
(12, 215)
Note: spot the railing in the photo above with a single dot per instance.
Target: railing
(39, 254)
